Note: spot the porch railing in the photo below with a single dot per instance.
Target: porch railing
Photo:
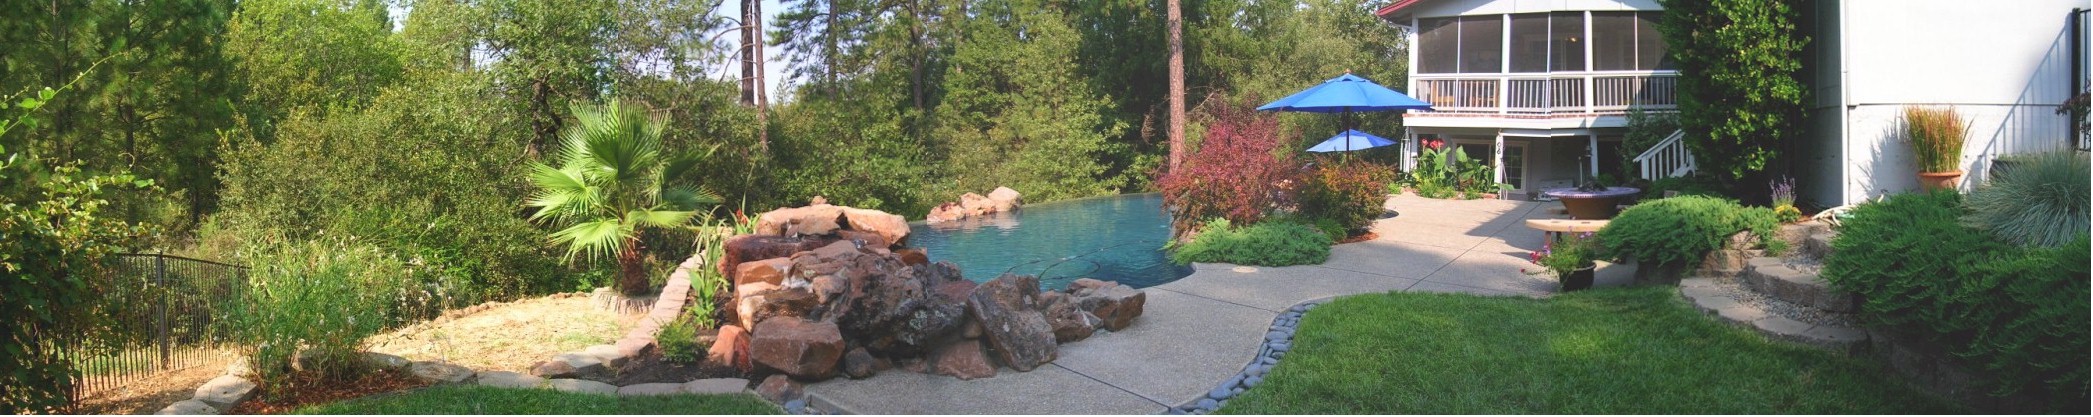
(1547, 94)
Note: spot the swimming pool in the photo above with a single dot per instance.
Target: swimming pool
(1113, 238)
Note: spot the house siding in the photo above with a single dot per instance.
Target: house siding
(2004, 65)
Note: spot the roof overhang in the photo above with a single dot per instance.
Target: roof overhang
(1396, 12)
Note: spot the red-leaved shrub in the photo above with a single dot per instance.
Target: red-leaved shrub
(1348, 192)
(1234, 174)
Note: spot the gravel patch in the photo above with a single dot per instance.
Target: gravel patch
(1730, 287)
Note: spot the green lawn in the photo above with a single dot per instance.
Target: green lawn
(1606, 351)
(473, 399)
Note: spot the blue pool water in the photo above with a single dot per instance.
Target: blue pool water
(1114, 238)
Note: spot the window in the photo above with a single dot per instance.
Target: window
(1438, 43)
(1566, 41)
(1530, 42)
(1627, 41)
(1613, 41)
(1649, 45)
(1482, 44)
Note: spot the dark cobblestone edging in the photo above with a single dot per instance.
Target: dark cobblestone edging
(1279, 340)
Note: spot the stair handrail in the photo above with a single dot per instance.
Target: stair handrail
(1670, 151)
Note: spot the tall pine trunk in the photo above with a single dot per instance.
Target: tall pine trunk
(1177, 84)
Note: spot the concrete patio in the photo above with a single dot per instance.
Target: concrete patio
(1200, 330)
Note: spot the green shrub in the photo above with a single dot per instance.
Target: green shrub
(679, 338)
(427, 171)
(2039, 201)
(1685, 186)
(316, 302)
(2018, 312)
(1272, 243)
(54, 239)
(1348, 193)
(1681, 230)
(1336, 231)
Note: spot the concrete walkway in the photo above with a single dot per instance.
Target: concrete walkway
(1200, 330)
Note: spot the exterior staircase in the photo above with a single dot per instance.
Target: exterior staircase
(1784, 297)
(1668, 158)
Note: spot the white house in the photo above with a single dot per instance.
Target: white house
(1541, 87)
(2004, 65)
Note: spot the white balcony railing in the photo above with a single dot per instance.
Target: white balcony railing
(1547, 94)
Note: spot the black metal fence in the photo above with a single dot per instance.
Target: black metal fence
(160, 309)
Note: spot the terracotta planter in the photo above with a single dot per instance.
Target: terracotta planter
(1579, 279)
(1929, 181)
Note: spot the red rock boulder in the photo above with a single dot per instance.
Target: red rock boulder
(802, 348)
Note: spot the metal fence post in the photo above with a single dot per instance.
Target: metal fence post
(160, 286)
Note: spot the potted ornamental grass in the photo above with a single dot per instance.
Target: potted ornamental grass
(1935, 135)
(1572, 258)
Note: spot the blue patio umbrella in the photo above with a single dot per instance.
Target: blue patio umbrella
(1346, 94)
(1350, 140)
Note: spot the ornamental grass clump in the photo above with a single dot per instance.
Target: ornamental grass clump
(1935, 134)
(2041, 201)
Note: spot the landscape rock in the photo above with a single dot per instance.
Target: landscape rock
(747, 248)
(506, 379)
(944, 213)
(770, 271)
(732, 348)
(885, 306)
(893, 227)
(745, 309)
(571, 365)
(610, 355)
(972, 330)
(440, 373)
(716, 386)
(188, 408)
(582, 386)
(1117, 305)
(1005, 199)
(975, 204)
(964, 360)
(655, 388)
(1069, 323)
(778, 304)
(385, 361)
(800, 221)
(828, 289)
(859, 364)
(239, 368)
(913, 256)
(798, 347)
(1008, 309)
(864, 238)
(779, 389)
(225, 391)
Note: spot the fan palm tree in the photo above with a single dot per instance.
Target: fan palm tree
(614, 179)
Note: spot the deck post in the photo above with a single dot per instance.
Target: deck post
(1593, 139)
(1497, 159)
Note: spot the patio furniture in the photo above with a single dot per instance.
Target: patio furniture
(1553, 229)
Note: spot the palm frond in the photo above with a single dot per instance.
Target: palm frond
(622, 143)
(689, 197)
(660, 218)
(562, 193)
(596, 239)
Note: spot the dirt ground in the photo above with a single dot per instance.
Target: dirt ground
(511, 336)
(147, 395)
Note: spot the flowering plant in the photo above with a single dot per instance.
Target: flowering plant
(1564, 255)
(1784, 200)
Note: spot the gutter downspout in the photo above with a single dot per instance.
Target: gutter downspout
(1845, 108)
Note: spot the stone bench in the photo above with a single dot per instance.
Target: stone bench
(1554, 228)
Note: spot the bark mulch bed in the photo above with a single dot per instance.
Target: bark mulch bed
(651, 368)
(1360, 238)
(301, 393)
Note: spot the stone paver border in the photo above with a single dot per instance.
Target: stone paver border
(235, 387)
